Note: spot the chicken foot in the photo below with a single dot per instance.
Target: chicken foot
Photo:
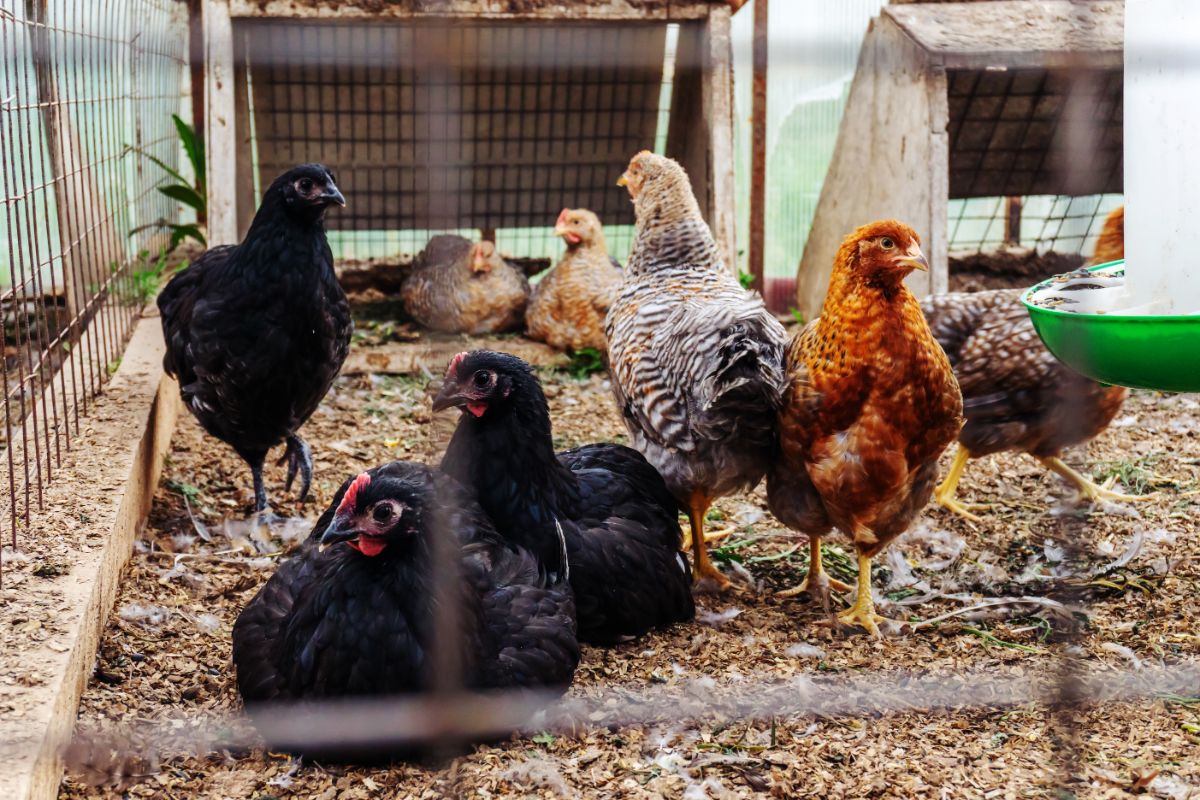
(260, 491)
(299, 459)
(944, 493)
(1087, 488)
(817, 583)
(862, 613)
(702, 567)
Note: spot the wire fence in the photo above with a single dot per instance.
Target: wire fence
(87, 91)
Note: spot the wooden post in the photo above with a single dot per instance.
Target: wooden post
(220, 128)
(758, 149)
(717, 103)
(247, 201)
(1012, 221)
(196, 68)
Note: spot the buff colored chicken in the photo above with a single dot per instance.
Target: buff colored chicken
(569, 304)
(871, 403)
(1016, 394)
(459, 287)
(696, 360)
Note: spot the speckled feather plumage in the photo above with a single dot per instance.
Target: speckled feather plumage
(443, 293)
(695, 358)
(871, 404)
(1016, 394)
(569, 304)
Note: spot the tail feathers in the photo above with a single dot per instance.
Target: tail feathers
(744, 391)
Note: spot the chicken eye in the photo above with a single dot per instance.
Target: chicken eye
(382, 512)
(306, 185)
(886, 243)
(482, 378)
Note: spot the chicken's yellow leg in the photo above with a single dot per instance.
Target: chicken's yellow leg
(944, 493)
(862, 613)
(709, 536)
(702, 566)
(817, 582)
(1088, 489)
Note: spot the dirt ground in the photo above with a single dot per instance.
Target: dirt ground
(164, 661)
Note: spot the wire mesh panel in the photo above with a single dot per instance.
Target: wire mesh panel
(86, 96)
(440, 127)
(1047, 223)
(1005, 137)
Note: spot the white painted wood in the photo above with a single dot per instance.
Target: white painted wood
(220, 125)
(890, 162)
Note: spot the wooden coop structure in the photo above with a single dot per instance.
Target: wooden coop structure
(465, 114)
(961, 100)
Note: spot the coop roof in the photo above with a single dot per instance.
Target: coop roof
(440, 124)
(1032, 85)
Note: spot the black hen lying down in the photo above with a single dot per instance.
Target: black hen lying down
(257, 332)
(620, 521)
(352, 613)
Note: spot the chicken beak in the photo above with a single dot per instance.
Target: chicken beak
(448, 397)
(560, 230)
(341, 529)
(623, 180)
(333, 195)
(915, 260)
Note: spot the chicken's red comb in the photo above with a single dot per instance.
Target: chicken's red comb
(562, 217)
(351, 497)
(454, 362)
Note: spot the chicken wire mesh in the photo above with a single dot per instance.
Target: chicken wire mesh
(385, 220)
(87, 91)
(471, 129)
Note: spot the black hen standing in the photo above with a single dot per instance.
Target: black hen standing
(257, 332)
(352, 613)
(620, 521)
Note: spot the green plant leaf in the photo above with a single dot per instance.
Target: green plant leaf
(181, 232)
(161, 164)
(193, 145)
(184, 194)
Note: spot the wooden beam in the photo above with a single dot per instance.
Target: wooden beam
(717, 103)
(758, 148)
(540, 10)
(221, 130)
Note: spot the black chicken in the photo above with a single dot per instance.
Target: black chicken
(620, 521)
(358, 620)
(257, 332)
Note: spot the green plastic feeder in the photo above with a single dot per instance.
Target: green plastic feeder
(1146, 352)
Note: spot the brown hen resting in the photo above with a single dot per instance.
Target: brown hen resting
(569, 304)
(1016, 394)
(871, 404)
(459, 287)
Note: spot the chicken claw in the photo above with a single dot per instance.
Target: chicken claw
(862, 613)
(1087, 488)
(299, 459)
(817, 582)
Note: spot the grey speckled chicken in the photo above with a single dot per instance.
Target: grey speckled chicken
(569, 304)
(1016, 394)
(459, 287)
(696, 360)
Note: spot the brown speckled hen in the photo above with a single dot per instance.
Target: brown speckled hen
(696, 360)
(1016, 394)
(871, 403)
(569, 304)
(459, 287)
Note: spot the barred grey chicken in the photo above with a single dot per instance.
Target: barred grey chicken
(696, 360)
(459, 287)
